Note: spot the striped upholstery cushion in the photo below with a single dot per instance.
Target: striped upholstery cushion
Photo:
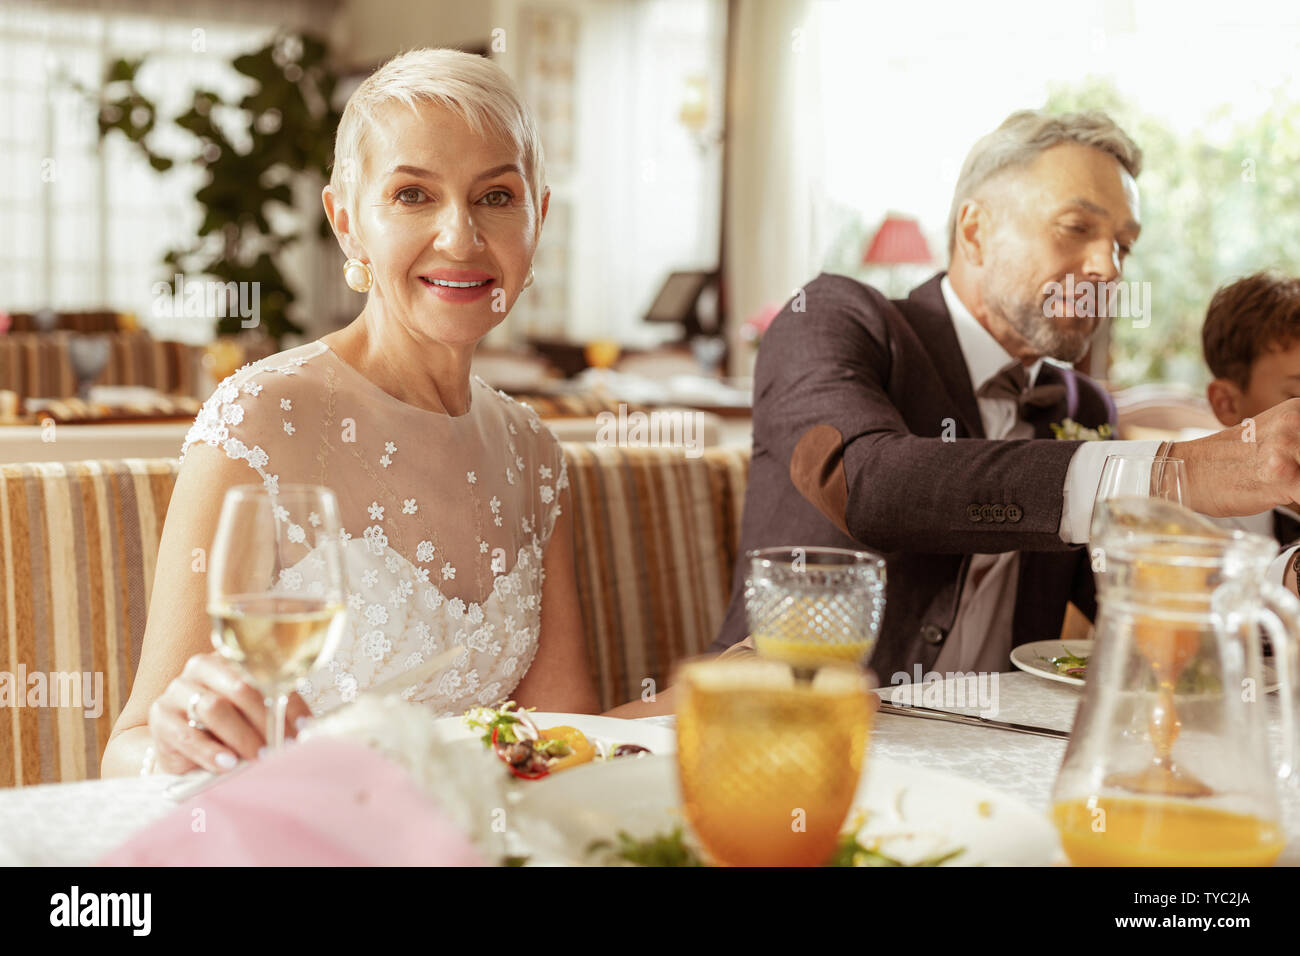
(655, 539)
(655, 532)
(77, 549)
(36, 364)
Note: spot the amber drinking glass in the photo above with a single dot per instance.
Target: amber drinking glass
(808, 606)
(768, 763)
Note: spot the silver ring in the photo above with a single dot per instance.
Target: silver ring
(191, 711)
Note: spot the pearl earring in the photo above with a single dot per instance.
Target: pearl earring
(357, 275)
(529, 280)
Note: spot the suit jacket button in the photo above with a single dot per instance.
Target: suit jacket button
(999, 513)
(986, 512)
(973, 512)
(932, 634)
(1014, 513)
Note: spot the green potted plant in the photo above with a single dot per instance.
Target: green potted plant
(287, 122)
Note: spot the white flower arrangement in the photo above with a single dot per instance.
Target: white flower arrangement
(460, 776)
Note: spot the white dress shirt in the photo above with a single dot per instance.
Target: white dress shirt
(980, 639)
(1084, 475)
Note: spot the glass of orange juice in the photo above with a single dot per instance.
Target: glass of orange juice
(812, 605)
(769, 763)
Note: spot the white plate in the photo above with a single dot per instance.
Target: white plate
(611, 731)
(915, 812)
(1035, 658)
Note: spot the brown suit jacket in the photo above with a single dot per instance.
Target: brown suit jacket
(867, 434)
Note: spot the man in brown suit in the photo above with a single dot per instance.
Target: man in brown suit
(920, 428)
(895, 368)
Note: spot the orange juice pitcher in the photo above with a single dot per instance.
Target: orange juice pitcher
(1168, 762)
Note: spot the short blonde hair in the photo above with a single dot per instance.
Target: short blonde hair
(1025, 134)
(472, 87)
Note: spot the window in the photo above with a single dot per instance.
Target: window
(84, 224)
(629, 103)
(1205, 89)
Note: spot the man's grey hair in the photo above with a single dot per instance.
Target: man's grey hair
(1025, 134)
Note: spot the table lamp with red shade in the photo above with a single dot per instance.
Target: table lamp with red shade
(898, 242)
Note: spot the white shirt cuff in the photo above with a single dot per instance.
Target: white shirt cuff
(1081, 482)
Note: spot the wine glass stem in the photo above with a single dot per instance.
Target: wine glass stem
(275, 710)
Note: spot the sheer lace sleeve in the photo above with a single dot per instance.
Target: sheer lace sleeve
(553, 478)
(248, 416)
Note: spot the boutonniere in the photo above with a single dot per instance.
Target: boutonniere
(1070, 430)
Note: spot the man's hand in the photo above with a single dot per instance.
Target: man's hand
(1248, 468)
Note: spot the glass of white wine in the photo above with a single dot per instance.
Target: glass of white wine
(277, 587)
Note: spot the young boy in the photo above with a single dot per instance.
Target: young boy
(1251, 339)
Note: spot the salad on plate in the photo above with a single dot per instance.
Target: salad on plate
(531, 752)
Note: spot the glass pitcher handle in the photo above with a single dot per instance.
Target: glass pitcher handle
(1280, 617)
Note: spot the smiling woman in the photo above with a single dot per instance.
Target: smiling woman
(453, 498)
(438, 192)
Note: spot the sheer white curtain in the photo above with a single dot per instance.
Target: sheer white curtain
(774, 220)
(647, 198)
(640, 196)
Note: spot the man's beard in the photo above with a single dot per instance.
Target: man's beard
(1042, 333)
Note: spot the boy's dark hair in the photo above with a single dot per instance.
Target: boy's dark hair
(1247, 318)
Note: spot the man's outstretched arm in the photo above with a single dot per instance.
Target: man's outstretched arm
(823, 403)
(826, 401)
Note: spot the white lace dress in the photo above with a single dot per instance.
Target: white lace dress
(444, 519)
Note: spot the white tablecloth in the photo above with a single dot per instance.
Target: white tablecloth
(77, 823)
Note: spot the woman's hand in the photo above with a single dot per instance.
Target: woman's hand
(231, 711)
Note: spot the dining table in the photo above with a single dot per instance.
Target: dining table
(78, 823)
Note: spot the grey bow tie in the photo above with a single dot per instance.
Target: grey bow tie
(1013, 383)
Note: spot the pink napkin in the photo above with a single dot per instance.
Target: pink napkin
(319, 803)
